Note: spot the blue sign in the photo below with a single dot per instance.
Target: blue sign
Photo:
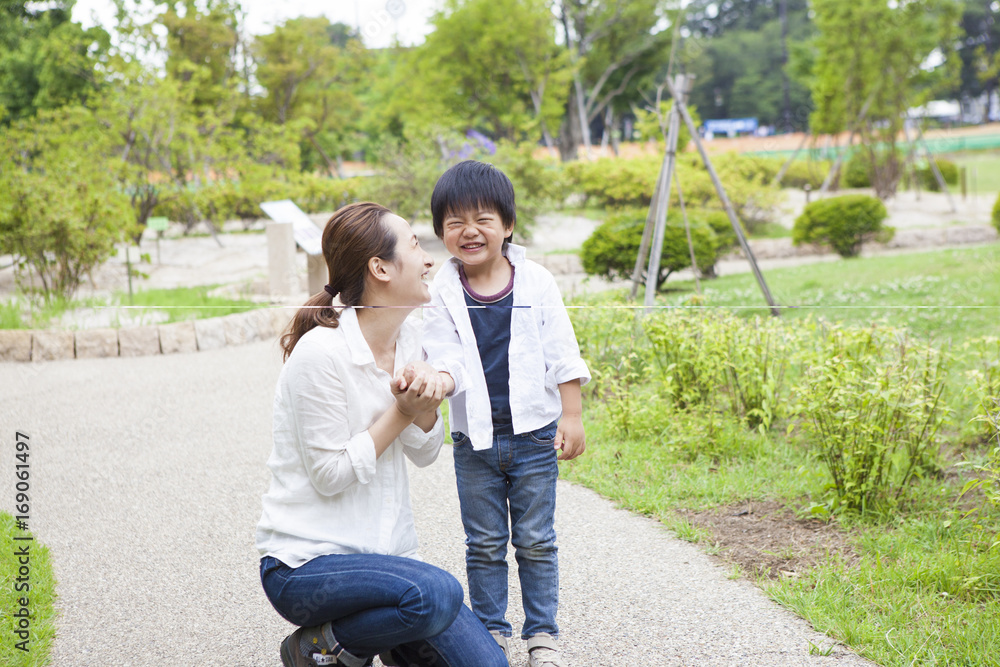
(731, 125)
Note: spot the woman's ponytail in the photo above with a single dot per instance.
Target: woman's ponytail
(352, 236)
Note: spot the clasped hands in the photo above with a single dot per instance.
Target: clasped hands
(419, 388)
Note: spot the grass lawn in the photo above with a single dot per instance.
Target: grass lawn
(987, 170)
(915, 580)
(941, 295)
(40, 598)
(188, 303)
(182, 303)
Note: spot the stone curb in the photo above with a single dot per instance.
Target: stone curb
(190, 336)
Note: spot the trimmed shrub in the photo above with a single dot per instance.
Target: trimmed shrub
(611, 250)
(949, 172)
(857, 171)
(844, 223)
(616, 183)
(806, 172)
(613, 182)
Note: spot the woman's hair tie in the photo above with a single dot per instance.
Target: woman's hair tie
(329, 290)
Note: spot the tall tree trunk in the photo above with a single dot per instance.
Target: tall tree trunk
(569, 132)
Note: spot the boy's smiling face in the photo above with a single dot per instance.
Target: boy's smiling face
(475, 237)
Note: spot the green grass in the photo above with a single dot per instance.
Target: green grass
(40, 597)
(187, 303)
(908, 600)
(940, 295)
(24, 313)
(925, 588)
(771, 230)
(182, 303)
(987, 166)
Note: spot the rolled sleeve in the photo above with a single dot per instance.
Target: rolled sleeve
(420, 447)
(566, 370)
(562, 353)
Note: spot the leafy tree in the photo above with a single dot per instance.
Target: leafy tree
(493, 65)
(616, 47)
(202, 47)
(61, 213)
(311, 70)
(978, 50)
(739, 53)
(46, 60)
(868, 57)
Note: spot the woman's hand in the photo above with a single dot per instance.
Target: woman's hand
(419, 389)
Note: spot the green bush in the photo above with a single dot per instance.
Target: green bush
(844, 223)
(983, 375)
(615, 182)
(857, 171)
(806, 172)
(719, 360)
(610, 252)
(948, 169)
(62, 210)
(871, 404)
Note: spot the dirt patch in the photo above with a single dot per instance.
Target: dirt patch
(767, 538)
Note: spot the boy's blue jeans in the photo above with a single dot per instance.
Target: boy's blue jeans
(514, 479)
(379, 602)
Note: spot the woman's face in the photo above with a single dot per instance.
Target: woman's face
(412, 265)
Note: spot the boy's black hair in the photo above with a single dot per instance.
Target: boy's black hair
(473, 185)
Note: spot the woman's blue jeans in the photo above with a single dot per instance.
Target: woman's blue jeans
(377, 603)
(515, 478)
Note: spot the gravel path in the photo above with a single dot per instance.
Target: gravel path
(147, 475)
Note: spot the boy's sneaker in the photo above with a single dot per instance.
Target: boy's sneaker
(543, 651)
(503, 642)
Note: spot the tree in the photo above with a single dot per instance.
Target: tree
(61, 214)
(493, 65)
(869, 55)
(46, 60)
(202, 49)
(613, 44)
(978, 52)
(311, 70)
(738, 52)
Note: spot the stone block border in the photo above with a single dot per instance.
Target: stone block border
(191, 336)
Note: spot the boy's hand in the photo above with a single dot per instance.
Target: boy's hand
(422, 369)
(570, 437)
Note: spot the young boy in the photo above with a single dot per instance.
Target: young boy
(498, 325)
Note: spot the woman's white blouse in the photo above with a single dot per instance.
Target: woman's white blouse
(328, 493)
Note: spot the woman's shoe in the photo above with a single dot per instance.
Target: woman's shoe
(316, 647)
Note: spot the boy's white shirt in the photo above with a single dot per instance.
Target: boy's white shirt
(543, 351)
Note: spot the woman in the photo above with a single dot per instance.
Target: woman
(336, 534)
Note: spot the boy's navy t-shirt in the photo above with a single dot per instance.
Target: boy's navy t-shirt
(490, 317)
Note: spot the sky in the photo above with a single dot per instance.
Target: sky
(380, 21)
